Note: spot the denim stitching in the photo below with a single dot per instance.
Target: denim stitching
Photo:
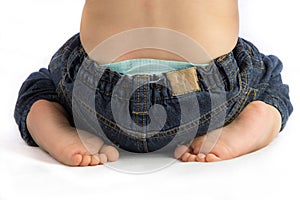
(230, 100)
(170, 130)
(67, 58)
(111, 82)
(68, 98)
(139, 110)
(136, 119)
(143, 116)
(211, 113)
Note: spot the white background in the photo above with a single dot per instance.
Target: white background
(32, 30)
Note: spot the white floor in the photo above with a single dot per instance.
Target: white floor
(32, 30)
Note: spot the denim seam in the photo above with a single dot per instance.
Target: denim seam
(65, 94)
(240, 105)
(136, 118)
(143, 116)
(245, 90)
(145, 109)
(230, 75)
(102, 134)
(111, 82)
(261, 67)
(195, 122)
(159, 98)
(103, 119)
(164, 132)
(64, 73)
(230, 100)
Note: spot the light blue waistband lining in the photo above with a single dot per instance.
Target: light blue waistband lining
(148, 66)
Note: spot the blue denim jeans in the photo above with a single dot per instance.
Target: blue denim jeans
(146, 112)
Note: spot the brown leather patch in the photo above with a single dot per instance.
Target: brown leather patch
(183, 81)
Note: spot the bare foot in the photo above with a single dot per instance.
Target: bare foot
(49, 127)
(79, 149)
(253, 129)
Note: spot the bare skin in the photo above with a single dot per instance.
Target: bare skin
(213, 24)
(48, 125)
(256, 126)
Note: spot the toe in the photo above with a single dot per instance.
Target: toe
(75, 160)
(103, 158)
(192, 158)
(197, 143)
(111, 152)
(180, 150)
(95, 160)
(185, 157)
(86, 160)
(212, 158)
(201, 157)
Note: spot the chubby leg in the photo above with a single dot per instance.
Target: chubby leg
(255, 127)
(48, 125)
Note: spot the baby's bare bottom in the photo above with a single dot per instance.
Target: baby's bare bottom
(253, 129)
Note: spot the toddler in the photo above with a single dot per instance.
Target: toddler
(256, 103)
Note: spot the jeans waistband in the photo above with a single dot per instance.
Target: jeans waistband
(219, 73)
